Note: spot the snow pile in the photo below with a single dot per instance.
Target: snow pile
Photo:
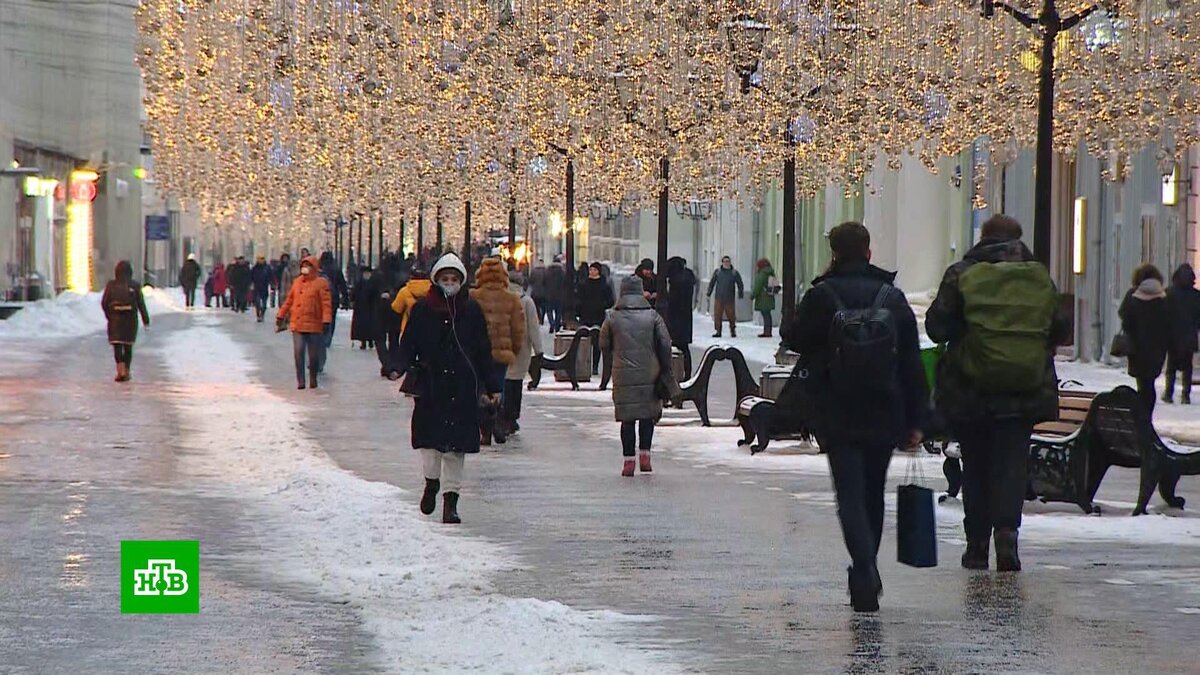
(423, 590)
(68, 315)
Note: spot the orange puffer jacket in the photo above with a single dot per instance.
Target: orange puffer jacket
(502, 309)
(309, 305)
(407, 298)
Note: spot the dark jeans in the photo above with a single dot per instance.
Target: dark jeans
(859, 477)
(387, 348)
(123, 354)
(995, 473)
(554, 315)
(189, 296)
(1145, 388)
(1184, 366)
(767, 322)
(541, 311)
(513, 391)
(260, 305)
(645, 433)
(314, 345)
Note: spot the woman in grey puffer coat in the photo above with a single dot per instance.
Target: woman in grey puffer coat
(637, 343)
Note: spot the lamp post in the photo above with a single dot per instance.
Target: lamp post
(746, 36)
(1048, 24)
(467, 235)
(420, 231)
(438, 231)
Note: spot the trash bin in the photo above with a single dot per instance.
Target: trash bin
(678, 368)
(787, 357)
(929, 359)
(771, 382)
(583, 360)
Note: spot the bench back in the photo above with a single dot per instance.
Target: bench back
(1073, 408)
(1120, 424)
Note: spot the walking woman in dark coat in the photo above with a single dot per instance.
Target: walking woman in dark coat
(681, 294)
(363, 299)
(122, 302)
(1183, 304)
(1147, 323)
(446, 347)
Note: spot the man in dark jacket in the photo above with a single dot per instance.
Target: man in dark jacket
(189, 278)
(645, 271)
(263, 278)
(681, 297)
(859, 425)
(725, 282)
(556, 282)
(338, 295)
(387, 323)
(1183, 304)
(992, 427)
(238, 276)
(537, 288)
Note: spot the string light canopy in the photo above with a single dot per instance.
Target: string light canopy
(280, 115)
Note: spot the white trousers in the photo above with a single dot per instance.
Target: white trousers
(444, 466)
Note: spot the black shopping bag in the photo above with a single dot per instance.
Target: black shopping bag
(916, 526)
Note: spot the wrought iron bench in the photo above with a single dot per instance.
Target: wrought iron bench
(566, 362)
(1058, 454)
(696, 389)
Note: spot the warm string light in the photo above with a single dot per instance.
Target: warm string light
(277, 116)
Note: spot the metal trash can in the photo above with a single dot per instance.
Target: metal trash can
(771, 382)
(786, 357)
(677, 365)
(583, 360)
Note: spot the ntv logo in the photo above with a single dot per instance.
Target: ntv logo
(160, 578)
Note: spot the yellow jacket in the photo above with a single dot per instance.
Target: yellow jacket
(407, 298)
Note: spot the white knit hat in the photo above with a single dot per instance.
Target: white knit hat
(448, 261)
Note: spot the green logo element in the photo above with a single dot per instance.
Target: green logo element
(160, 577)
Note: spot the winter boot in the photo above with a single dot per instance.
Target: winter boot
(120, 376)
(450, 508)
(717, 334)
(976, 555)
(1168, 397)
(644, 461)
(627, 468)
(865, 589)
(429, 498)
(300, 383)
(312, 380)
(1007, 559)
(732, 332)
(1187, 398)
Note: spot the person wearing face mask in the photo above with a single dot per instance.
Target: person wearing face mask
(308, 310)
(445, 346)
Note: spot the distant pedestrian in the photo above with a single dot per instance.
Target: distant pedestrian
(858, 338)
(446, 347)
(362, 300)
(645, 272)
(1146, 320)
(763, 294)
(681, 301)
(261, 278)
(638, 346)
(219, 285)
(1183, 303)
(556, 286)
(537, 289)
(189, 278)
(726, 285)
(338, 295)
(308, 309)
(122, 303)
(384, 286)
(528, 349)
(288, 271)
(407, 298)
(998, 312)
(238, 276)
(505, 327)
(595, 298)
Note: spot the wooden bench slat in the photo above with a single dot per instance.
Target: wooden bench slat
(1069, 415)
(1055, 429)
(1075, 403)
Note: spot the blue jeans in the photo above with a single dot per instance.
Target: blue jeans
(314, 345)
(554, 315)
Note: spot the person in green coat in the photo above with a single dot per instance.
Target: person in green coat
(763, 293)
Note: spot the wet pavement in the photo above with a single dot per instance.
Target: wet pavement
(744, 569)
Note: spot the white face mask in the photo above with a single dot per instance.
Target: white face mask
(450, 288)
(305, 270)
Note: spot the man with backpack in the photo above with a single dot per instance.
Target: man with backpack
(862, 374)
(998, 312)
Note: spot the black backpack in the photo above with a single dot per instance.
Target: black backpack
(863, 347)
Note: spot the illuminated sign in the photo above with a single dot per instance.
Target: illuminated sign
(1079, 257)
(79, 233)
(40, 187)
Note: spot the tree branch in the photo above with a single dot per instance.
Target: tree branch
(1071, 22)
(1022, 17)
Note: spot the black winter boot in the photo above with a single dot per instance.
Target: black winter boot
(429, 498)
(865, 589)
(1007, 559)
(976, 555)
(450, 508)
(312, 379)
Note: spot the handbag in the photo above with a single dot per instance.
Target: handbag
(413, 383)
(1121, 346)
(916, 524)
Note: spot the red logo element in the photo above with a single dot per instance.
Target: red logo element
(83, 191)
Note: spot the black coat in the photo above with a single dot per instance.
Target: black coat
(1147, 323)
(681, 291)
(1183, 303)
(457, 369)
(362, 323)
(189, 274)
(238, 277)
(875, 421)
(959, 400)
(555, 283)
(122, 302)
(384, 285)
(595, 298)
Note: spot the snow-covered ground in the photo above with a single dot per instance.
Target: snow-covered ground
(423, 590)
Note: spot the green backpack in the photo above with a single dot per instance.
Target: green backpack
(1009, 308)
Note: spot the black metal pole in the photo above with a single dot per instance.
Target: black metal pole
(357, 257)
(789, 239)
(467, 234)
(660, 267)
(1044, 173)
(370, 239)
(400, 247)
(421, 231)
(570, 218)
(440, 243)
(381, 238)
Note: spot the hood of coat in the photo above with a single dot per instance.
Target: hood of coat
(1184, 277)
(1150, 289)
(448, 261)
(858, 269)
(314, 265)
(124, 271)
(999, 250)
(492, 274)
(631, 295)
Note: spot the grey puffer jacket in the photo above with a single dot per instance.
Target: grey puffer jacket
(635, 339)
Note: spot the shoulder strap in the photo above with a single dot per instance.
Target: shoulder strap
(839, 306)
(881, 297)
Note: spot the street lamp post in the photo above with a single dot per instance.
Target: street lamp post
(438, 230)
(420, 230)
(467, 234)
(1048, 24)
